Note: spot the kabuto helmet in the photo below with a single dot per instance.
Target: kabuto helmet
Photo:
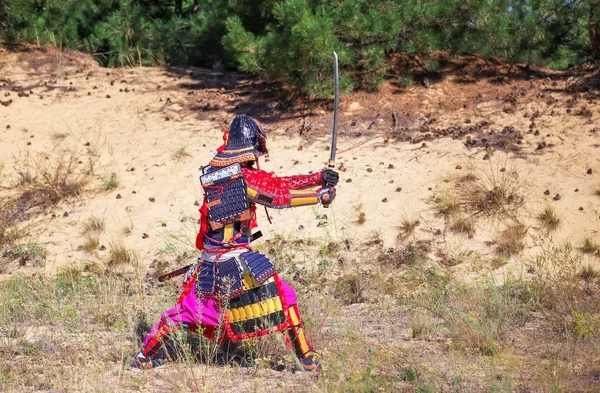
(245, 141)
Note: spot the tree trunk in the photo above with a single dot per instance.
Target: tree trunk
(593, 27)
(178, 6)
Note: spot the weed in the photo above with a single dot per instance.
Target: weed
(350, 287)
(93, 225)
(589, 274)
(58, 136)
(120, 255)
(446, 203)
(91, 244)
(45, 183)
(413, 254)
(590, 247)
(180, 153)
(549, 219)
(359, 213)
(511, 240)
(30, 251)
(408, 226)
(111, 182)
(464, 225)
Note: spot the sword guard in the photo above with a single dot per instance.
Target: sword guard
(331, 164)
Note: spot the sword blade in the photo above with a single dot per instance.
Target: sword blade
(336, 106)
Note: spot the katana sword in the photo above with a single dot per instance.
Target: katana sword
(336, 107)
(329, 194)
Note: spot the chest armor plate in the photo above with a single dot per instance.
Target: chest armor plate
(226, 195)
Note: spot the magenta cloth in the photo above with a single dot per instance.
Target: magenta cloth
(205, 311)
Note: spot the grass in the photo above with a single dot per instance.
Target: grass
(511, 240)
(589, 274)
(464, 225)
(93, 225)
(549, 219)
(30, 252)
(112, 182)
(359, 213)
(408, 226)
(45, 184)
(590, 247)
(487, 193)
(91, 245)
(181, 153)
(119, 255)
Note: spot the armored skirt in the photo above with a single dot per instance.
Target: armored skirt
(233, 295)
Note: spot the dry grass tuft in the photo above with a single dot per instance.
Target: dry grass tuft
(121, 255)
(180, 153)
(488, 193)
(111, 182)
(415, 253)
(93, 225)
(511, 240)
(45, 183)
(589, 274)
(446, 203)
(590, 247)
(359, 213)
(549, 219)
(408, 226)
(463, 224)
(91, 245)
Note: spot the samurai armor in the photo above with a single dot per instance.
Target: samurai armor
(226, 195)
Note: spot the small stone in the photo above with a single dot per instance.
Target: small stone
(398, 189)
(458, 167)
(391, 166)
(151, 199)
(547, 192)
(164, 224)
(102, 247)
(134, 192)
(89, 94)
(301, 227)
(369, 170)
(108, 96)
(145, 236)
(183, 219)
(556, 197)
(580, 209)
(196, 203)
(589, 171)
(577, 190)
(66, 214)
(429, 189)
(384, 200)
(391, 181)
(423, 145)
(118, 196)
(486, 156)
(348, 180)
(502, 169)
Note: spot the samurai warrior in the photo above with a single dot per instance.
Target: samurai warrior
(232, 292)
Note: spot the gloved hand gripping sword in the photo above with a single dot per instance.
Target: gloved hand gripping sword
(328, 192)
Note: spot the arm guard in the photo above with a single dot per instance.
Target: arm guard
(280, 192)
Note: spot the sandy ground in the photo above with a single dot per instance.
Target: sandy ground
(149, 127)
